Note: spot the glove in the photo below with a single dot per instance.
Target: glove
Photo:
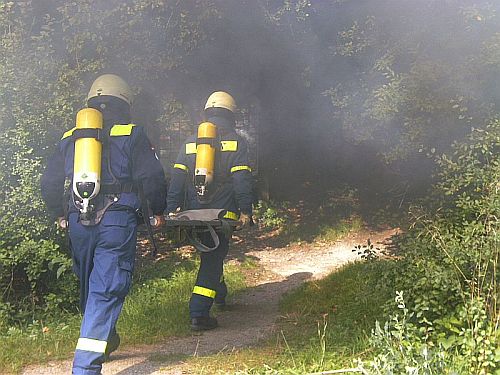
(172, 214)
(245, 220)
(159, 220)
(61, 222)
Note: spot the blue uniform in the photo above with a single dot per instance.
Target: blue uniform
(231, 190)
(104, 254)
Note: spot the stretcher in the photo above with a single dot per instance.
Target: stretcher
(196, 222)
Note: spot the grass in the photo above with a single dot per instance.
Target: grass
(37, 343)
(328, 219)
(329, 233)
(156, 308)
(325, 325)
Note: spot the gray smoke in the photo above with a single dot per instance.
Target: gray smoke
(337, 84)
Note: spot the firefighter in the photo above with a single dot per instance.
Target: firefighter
(103, 235)
(231, 189)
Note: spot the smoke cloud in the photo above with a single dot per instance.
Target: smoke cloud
(340, 87)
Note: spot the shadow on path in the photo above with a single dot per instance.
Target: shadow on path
(250, 318)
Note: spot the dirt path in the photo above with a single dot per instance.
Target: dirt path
(253, 314)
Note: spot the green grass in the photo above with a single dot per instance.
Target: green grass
(327, 323)
(327, 219)
(157, 307)
(331, 233)
(324, 325)
(37, 343)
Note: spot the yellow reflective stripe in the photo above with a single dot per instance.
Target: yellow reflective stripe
(190, 148)
(69, 133)
(229, 145)
(231, 215)
(119, 130)
(181, 166)
(241, 168)
(91, 345)
(204, 292)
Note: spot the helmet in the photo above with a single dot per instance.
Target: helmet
(112, 85)
(221, 99)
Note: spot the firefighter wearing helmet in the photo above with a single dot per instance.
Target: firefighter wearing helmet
(212, 171)
(108, 161)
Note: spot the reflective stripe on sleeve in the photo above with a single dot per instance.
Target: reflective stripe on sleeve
(181, 166)
(91, 345)
(231, 215)
(204, 292)
(190, 148)
(119, 130)
(241, 168)
(229, 145)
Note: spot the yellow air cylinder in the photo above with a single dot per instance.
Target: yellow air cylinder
(205, 157)
(87, 161)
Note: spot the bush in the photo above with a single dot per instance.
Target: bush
(402, 349)
(450, 267)
(271, 214)
(35, 272)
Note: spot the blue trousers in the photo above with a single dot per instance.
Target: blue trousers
(210, 283)
(103, 260)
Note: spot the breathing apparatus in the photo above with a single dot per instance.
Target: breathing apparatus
(207, 143)
(205, 158)
(87, 160)
(106, 90)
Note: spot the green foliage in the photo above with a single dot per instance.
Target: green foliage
(367, 252)
(450, 267)
(49, 53)
(327, 220)
(156, 308)
(403, 351)
(324, 325)
(409, 93)
(333, 230)
(416, 88)
(38, 342)
(35, 274)
(270, 214)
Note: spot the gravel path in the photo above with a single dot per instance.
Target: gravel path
(252, 316)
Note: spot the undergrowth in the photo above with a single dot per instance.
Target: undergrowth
(324, 324)
(157, 307)
(445, 319)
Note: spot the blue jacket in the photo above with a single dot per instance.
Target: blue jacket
(131, 159)
(232, 185)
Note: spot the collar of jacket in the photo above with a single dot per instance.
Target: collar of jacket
(111, 119)
(222, 123)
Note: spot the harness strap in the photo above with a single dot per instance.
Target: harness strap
(206, 141)
(195, 241)
(127, 187)
(87, 133)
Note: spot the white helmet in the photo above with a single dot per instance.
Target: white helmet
(112, 85)
(221, 99)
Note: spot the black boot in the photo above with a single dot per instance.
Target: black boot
(222, 306)
(203, 323)
(113, 344)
